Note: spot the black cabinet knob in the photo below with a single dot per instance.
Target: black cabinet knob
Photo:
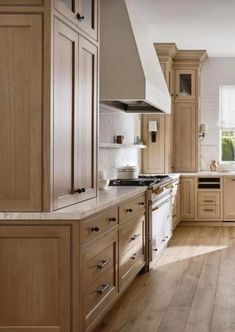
(95, 229)
(141, 203)
(83, 190)
(80, 17)
(112, 219)
(129, 210)
(78, 191)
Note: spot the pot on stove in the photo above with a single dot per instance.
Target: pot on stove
(127, 172)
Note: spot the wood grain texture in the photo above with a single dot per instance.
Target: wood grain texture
(191, 287)
(35, 278)
(187, 198)
(21, 112)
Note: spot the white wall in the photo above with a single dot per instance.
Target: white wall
(215, 72)
(114, 123)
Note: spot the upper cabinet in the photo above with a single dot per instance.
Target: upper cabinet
(185, 85)
(83, 13)
(21, 112)
(75, 108)
(49, 104)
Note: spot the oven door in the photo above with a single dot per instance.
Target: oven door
(161, 225)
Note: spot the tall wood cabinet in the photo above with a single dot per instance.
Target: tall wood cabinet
(186, 110)
(48, 80)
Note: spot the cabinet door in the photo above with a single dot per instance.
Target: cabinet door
(187, 198)
(228, 197)
(35, 278)
(85, 131)
(185, 138)
(84, 13)
(185, 85)
(65, 103)
(21, 112)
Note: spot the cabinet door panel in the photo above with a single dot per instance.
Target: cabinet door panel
(65, 98)
(228, 197)
(187, 198)
(85, 121)
(185, 87)
(21, 112)
(34, 278)
(185, 142)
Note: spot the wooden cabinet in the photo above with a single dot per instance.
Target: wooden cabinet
(185, 85)
(175, 204)
(21, 112)
(129, 208)
(99, 279)
(83, 13)
(35, 278)
(187, 198)
(131, 248)
(228, 197)
(21, 3)
(185, 145)
(75, 108)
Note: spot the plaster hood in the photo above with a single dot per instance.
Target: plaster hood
(131, 78)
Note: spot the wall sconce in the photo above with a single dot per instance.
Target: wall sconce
(153, 130)
(202, 131)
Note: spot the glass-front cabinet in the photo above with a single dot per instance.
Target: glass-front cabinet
(83, 13)
(185, 85)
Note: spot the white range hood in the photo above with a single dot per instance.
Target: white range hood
(131, 78)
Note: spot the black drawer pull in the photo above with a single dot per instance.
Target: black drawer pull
(134, 256)
(208, 201)
(129, 210)
(104, 262)
(80, 17)
(103, 288)
(113, 219)
(79, 190)
(141, 203)
(208, 210)
(133, 238)
(95, 229)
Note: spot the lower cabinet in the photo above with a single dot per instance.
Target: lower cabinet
(228, 197)
(35, 278)
(187, 198)
(99, 278)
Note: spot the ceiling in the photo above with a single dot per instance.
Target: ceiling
(191, 24)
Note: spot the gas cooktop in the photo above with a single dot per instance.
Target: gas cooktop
(143, 180)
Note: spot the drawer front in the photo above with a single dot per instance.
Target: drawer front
(92, 228)
(130, 258)
(98, 295)
(209, 199)
(209, 212)
(98, 259)
(132, 233)
(128, 209)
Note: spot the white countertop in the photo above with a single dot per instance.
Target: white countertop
(106, 198)
(212, 174)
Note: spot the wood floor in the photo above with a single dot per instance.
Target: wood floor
(190, 289)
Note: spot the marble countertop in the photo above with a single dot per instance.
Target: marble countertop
(212, 174)
(105, 199)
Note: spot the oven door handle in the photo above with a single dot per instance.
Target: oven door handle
(158, 206)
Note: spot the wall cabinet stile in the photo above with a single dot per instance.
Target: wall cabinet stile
(75, 76)
(49, 99)
(84, 13)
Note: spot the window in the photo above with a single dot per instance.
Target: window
(227, 122)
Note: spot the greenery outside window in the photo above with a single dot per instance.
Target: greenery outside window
(227, 123)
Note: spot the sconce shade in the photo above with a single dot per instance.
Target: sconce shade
(152, 126)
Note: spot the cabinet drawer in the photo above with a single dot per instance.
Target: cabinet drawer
(98, 259)
(208, 198)
(130, 264)
(129, 258)
(132, 233)
(98, 295)
(93, 227)
(209, 212)
(127, 210)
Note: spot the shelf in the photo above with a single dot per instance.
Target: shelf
(120, 146)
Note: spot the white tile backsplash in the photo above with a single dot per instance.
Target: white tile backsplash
(115, 123)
